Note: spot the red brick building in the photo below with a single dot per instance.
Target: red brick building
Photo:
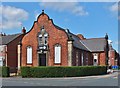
(47, 44)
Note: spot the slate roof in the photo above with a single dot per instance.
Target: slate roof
(4, 40)
(76, 42)
(92, 45)
(95, 45)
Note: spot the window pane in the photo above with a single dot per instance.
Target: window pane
(45, 40)
(57, 54)
(29, 55)
(40, 35)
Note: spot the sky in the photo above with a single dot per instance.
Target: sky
(92, 19)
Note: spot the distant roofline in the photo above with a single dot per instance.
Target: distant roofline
(94, 38)
(15, 36)
(10, 34)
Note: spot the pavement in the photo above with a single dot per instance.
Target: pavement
(100, 80)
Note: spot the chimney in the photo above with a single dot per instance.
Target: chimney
(106, 36)
(23, 30)
(81, 36)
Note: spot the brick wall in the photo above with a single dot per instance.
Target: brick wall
(77, 60)
(112, 57)
(102, 58)
(55, 36)
(12, 55)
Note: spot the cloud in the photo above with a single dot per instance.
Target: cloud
(72, 7)
(114, 7)
(12, 17)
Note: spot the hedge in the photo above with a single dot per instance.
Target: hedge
(73, 71)
(4, 71)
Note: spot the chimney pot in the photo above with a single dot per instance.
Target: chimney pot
(23, 30)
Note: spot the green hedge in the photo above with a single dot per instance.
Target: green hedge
(4, 71)
(74, 71)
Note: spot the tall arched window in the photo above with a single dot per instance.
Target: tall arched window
(57, 54)
(29, 55)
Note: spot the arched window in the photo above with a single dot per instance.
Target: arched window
(29, 55)
(57, 54)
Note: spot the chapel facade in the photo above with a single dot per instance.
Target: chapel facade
(47, 44)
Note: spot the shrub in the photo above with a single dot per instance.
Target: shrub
(73, 71)
(4, 71)
(25, 71)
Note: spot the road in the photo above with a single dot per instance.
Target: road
(104, 80)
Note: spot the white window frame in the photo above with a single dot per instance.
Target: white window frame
(57, 52)
(29, 55)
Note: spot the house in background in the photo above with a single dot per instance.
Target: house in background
(97, 46)
(8, 50)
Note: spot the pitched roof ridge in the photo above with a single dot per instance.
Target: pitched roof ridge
(94, 38)
(14, 34)
(10, 35)
(85, 45)
(9, 38)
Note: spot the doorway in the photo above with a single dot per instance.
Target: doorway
(42, 59)
(95, 60)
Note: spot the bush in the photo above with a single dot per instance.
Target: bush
(25, 71)
(73, 71)
(4, 71)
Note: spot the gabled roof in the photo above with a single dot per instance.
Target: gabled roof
(95, 44)
(76, 42)
(8, 38)
(92, 45)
